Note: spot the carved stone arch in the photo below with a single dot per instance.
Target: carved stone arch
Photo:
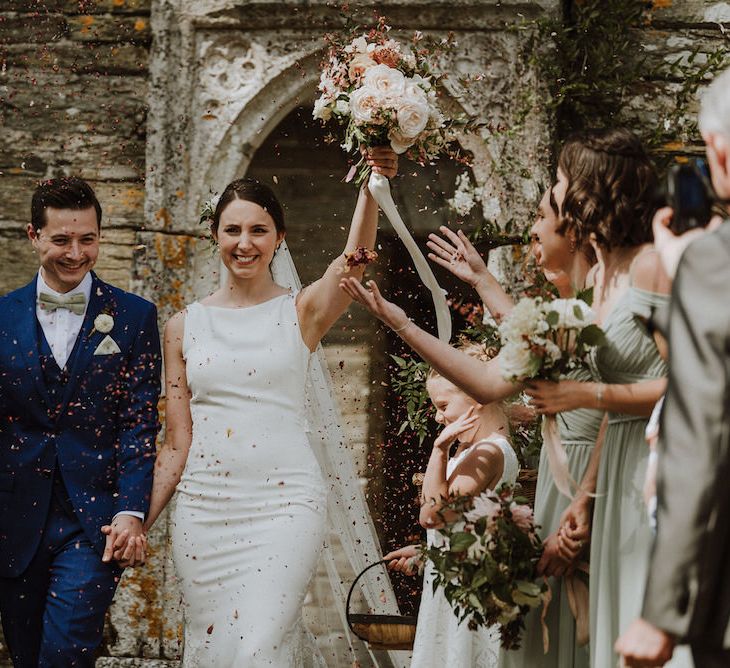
(255, 121)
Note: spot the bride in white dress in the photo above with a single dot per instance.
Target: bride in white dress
(249, 522)
(484, 459)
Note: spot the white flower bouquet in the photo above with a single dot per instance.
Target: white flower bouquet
(547, 338)
(385, 93)
(486, 562)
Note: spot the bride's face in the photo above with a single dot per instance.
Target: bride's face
(247, 238)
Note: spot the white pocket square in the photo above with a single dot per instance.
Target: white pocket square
(108, 346)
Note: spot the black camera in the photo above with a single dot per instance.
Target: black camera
(688, 190)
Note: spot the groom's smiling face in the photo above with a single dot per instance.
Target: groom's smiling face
(68, 245)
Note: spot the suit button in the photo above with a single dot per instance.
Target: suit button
(46, 473)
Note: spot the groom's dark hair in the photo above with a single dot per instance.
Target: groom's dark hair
(68, 192)
(250, 190)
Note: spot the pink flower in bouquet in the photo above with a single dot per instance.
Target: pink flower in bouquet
(358, 65)
(387, 55)
(522, 517)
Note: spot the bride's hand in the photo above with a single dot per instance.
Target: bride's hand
(455, 252)
(463, 423)
(407, 560)
(381, 159)
(393, 316)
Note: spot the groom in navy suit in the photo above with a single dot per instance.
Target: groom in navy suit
(79, 385)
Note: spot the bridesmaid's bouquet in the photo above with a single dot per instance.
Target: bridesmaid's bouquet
(384, 93)
(547, 338)
(485, 564)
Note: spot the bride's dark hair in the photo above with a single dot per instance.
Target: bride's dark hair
(250, 190)
(611, 183)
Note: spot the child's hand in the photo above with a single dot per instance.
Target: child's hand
(450, 432)
(407, 560)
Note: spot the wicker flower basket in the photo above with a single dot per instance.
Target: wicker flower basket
(381, 631)
(527, 478)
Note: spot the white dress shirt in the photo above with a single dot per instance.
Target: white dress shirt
(61, 329)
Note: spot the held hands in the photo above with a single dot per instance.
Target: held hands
(552, 563)
(407, 560)
(457, 254)
(550, 398)
(381, 159)
(644, 645)
(393, 316)
(575, 528)
(450, 432)
(671, 246)
(126, 542)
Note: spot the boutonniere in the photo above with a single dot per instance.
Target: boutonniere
(104, 323)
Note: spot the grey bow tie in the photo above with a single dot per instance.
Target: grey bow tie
(74, 303)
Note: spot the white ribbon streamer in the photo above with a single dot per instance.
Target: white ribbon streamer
(379, 186)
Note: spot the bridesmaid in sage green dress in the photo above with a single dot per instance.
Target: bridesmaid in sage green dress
(604, 183)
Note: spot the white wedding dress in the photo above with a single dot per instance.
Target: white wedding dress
(249, 523)
(440, 639)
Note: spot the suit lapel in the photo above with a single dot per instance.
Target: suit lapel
(26, 331)
(100, 301)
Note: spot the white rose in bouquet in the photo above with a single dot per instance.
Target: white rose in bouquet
(516, 361)
(525, 319)
(365, 103)
(413, 114)
(572, 313)
(388, 82)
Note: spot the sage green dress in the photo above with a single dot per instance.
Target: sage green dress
(621, 535)
(578, 432)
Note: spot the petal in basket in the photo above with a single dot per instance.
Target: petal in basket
(379, 186)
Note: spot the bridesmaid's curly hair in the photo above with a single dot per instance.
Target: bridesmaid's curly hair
(611, 184)
(250, 190)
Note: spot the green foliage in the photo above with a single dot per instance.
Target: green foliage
(409, 381)
(594, 63)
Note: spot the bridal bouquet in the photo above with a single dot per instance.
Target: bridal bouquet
(547, 338)
(485, 562)
(384, 93)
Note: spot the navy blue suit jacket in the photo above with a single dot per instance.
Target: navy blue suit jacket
(101, 434)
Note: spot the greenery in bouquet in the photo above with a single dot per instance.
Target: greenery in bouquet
(386, 93)
(486, 559)
(547, 338)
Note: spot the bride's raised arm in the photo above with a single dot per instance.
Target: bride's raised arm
(321, 303)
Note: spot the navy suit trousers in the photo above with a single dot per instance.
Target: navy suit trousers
(53, 614)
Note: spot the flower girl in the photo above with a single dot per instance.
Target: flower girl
(483, 460)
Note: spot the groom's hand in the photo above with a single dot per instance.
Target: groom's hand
(125, 541)
(644, 645)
